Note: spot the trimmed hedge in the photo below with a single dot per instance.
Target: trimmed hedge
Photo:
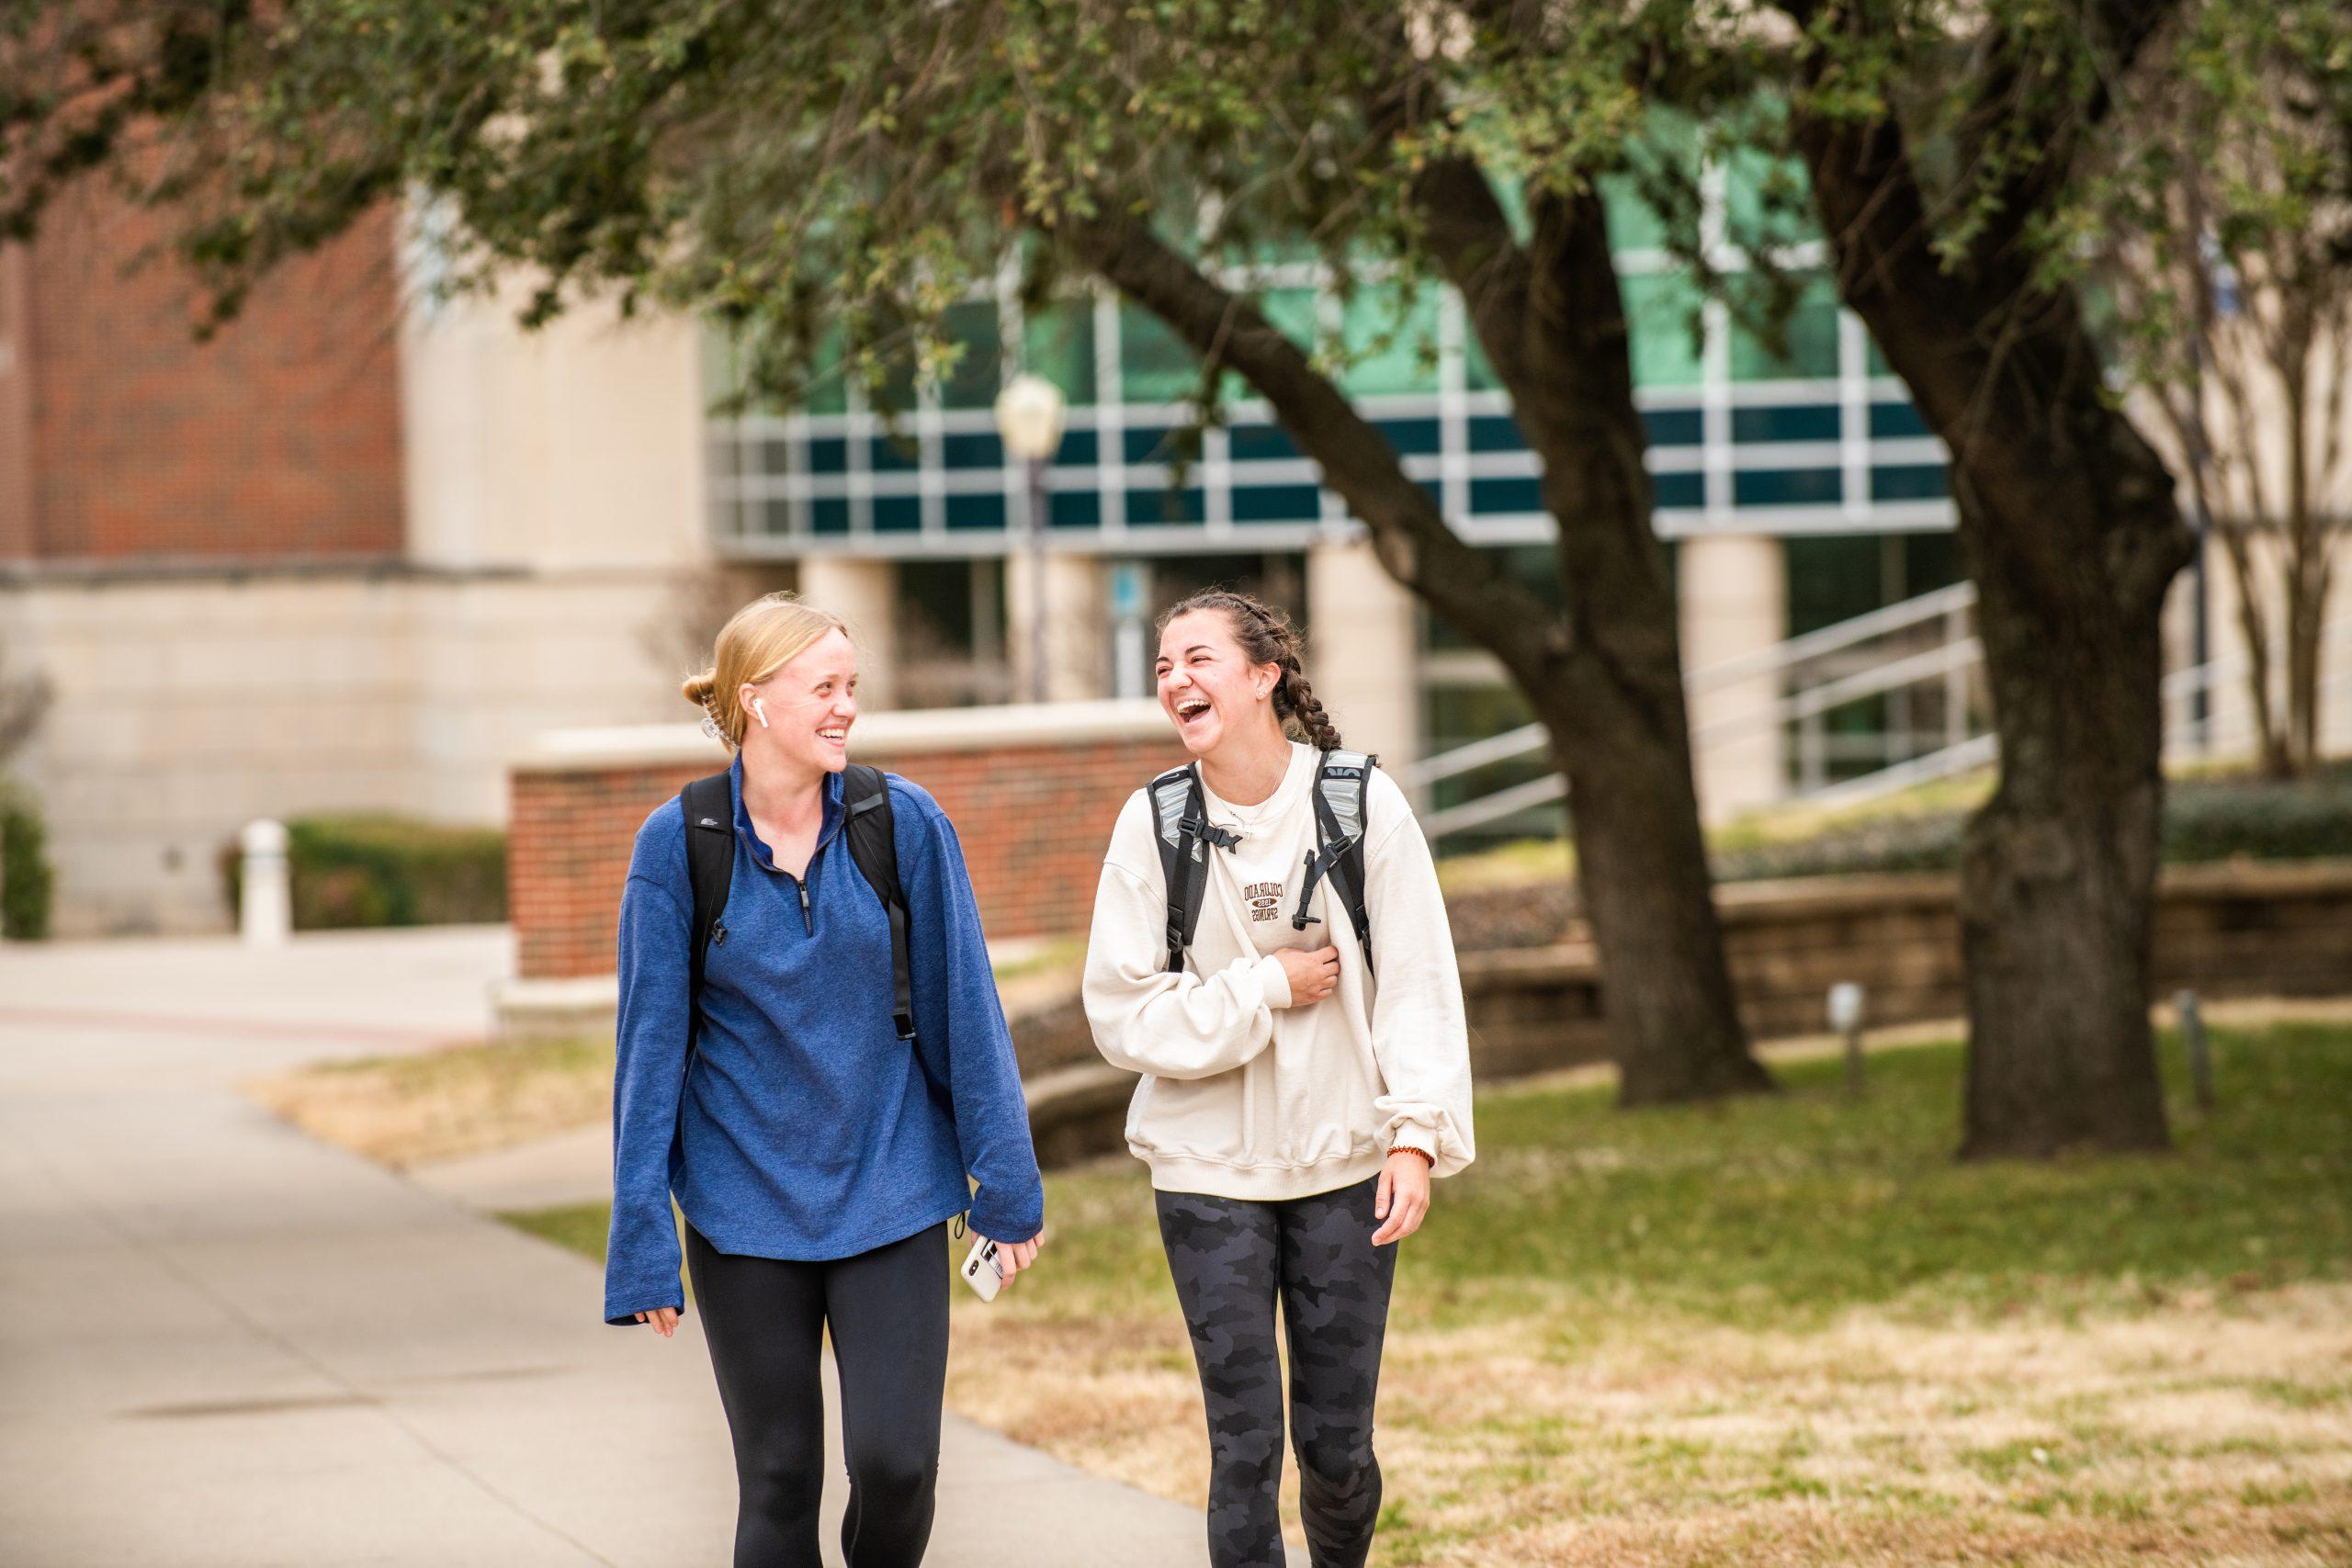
(381, 870)
(27, 879)
(2205, 820)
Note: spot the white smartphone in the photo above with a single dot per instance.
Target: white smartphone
(980, 1269)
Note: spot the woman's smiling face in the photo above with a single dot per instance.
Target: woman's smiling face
(810, 701)
(1208, 688)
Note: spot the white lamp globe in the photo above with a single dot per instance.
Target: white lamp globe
(1029, 416)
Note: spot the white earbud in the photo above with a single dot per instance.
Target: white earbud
(760, 710)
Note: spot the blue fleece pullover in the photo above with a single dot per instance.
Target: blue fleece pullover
(809, 1129)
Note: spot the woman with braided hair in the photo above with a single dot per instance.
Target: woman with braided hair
(1303, 1080)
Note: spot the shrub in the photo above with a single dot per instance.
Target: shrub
(373, 870)
(2216, 818)
(2205, 820)
(27, 879)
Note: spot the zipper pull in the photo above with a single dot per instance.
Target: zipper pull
(808, 919)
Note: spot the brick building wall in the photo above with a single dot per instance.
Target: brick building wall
(1033, 792)
(128, 439)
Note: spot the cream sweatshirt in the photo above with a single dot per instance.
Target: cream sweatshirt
(1243, 1094)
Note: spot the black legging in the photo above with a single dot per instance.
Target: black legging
(764, 1320)
(1232, 1259)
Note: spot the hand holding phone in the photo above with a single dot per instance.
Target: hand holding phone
(989, 1267)
(980, 1271)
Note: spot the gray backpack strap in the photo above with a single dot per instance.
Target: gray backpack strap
(1178, 820)
(1339, 787)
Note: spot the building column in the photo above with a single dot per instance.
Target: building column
(1071, 591)
(1363, 653)
(864, 593)
(1734, 600)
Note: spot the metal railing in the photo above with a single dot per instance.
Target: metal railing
(1947, 660)
(1826, 670)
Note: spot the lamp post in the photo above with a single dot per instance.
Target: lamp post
(1029, 417)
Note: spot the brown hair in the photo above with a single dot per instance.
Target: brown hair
(757, 640)
(1267, 637)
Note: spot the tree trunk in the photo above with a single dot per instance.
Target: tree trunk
(2306, 643)
(1623, 733)
(2071, 532)
(1672, 1022)
(2058, 870)
(2254, 627)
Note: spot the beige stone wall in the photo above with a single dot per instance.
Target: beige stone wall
(2233, 706)
(1735, 603)
(1363, 653)
(577, 445)
(186, 707)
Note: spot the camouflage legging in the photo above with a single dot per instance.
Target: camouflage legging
(1231, 1258)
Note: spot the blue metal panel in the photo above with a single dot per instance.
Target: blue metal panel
(1910, 481)
(983, 511)
(1791, 422)
(971, 449)
(1155, 506)
(1787, 487)
(1276, 503)
(1674, 427)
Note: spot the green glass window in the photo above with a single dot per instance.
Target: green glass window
(1293, 313)
(1389, 341)
(1661, 314)
(1059, 342)
(827, 389)
(1634, 224)
(1833, 578)
(972, 381)
(1764, 200)
(1154, 366)
(1812, 341)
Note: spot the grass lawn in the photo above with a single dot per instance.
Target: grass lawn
(1789, 1331)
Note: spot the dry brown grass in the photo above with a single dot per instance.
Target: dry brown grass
(2212, 1428)
(403, 1110)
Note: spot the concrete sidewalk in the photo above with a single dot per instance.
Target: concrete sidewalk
(232, 1346)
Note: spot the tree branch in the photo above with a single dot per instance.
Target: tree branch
(1410, 533)
(2118, 29)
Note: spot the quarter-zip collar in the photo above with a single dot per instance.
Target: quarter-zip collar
(834, 816)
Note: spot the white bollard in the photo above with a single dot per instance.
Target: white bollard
(266, 904)
(1846, 1018)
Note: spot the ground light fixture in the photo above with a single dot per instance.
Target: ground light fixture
(1029, 415)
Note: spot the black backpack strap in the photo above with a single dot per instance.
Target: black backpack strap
(1180, 820)
(709, 806)
(874, 845)
(1339, 788)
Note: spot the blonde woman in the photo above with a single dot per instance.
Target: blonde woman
(817, 1155)
(1305, 1073)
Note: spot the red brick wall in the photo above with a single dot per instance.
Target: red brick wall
(1033, 821)
(280, 436)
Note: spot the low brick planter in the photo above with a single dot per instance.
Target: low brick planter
(1033, 792)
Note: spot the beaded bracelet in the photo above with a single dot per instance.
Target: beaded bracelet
(1409, 1149)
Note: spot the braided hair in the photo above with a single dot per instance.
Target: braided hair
(1267, 637)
